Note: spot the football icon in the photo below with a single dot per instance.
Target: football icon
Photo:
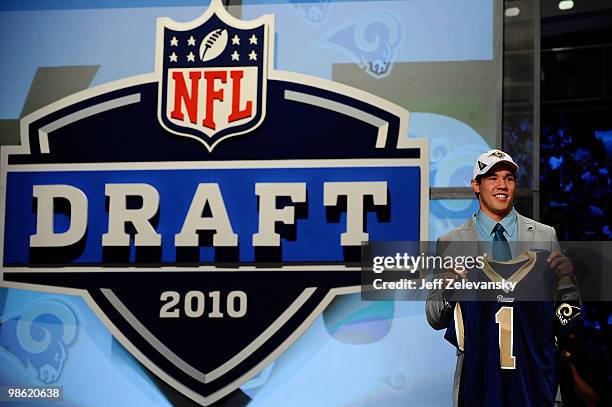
(213, 44)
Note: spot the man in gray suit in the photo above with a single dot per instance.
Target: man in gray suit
(499, 227)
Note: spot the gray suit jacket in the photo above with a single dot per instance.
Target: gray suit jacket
(532, 235)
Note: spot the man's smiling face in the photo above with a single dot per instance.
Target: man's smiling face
(496, 191)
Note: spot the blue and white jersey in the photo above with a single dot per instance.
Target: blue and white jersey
(508, 337)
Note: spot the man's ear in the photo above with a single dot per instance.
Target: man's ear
(475, 186)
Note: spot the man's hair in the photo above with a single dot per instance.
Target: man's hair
(478, 179)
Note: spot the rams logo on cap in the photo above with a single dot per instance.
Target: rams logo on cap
(498, 154)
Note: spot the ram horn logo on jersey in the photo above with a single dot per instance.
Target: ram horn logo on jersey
(212, 76)
(207, 263)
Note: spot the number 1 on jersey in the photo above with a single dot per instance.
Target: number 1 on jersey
(505, 319)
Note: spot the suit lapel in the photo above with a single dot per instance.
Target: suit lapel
(526, 232)
(468, 231)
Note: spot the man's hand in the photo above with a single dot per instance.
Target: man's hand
(452, 274)
(560, 264)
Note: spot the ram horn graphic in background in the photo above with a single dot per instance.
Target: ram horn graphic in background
(400, 383)
(371, 41)
(350, 320)
(207, 263)
(212, 77)
(40, 337)
(313, 11)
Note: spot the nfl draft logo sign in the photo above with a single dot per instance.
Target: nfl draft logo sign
(212, 76)
(207, 255)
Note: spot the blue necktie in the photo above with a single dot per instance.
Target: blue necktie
(501, 247)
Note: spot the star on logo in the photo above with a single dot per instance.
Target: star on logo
(235, 56)
(253, 56)
(173, 57)
(253, 39)
(174, 42)
(191, 57)
(191, 41)
(235, 40)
